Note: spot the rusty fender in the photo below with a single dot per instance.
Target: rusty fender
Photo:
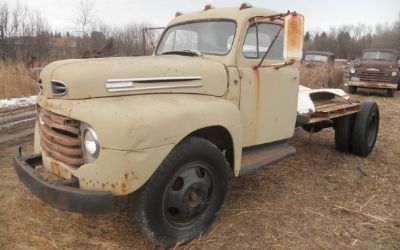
(138, 132)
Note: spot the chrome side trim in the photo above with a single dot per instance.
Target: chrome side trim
(156, 79)
(194, 85)
(117, 85)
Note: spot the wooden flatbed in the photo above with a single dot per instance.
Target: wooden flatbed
(332, 108)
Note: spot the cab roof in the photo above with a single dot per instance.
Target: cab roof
(240, 16)
(387, 50)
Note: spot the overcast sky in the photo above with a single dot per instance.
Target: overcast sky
(319, 14)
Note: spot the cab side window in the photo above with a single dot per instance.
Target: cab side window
(259, 37)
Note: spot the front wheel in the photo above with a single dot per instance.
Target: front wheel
(185, 194)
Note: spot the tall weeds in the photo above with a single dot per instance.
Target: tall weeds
(321, 76)
(16, 80)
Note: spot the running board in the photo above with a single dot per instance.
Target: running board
(255, 158)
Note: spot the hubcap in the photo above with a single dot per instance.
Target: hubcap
(188, 194)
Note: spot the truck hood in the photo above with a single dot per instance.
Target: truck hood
(378, 66)
(91, 78)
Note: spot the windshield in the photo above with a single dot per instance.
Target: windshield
(378, 55)
(316, 58)
(209, 37)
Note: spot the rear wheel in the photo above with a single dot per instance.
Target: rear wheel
(352, 89)
(365, 129)
(183, 197)
(343, 133)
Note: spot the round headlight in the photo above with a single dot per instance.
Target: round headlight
(394, 73)
(352, 70)
(91, 143)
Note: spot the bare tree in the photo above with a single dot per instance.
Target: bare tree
(85, 18)
(4, 26)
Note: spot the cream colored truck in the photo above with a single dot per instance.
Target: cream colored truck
(219, 97)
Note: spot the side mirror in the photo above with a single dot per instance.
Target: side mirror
(294, 37)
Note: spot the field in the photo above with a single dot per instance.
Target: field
(319, 199)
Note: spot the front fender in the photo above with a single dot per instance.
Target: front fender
(134, 123)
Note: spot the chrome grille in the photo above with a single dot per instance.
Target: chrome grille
(60, 138)
(369, 76)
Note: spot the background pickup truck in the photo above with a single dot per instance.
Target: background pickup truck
(219, 97)
(377, 69)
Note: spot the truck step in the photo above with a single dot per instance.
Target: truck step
(262, 156)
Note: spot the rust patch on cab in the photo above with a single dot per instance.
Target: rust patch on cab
(294, 32)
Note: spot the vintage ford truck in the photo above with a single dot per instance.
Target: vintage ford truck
(219, 97)
(377, 69)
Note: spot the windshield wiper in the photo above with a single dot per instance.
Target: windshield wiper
(183, 52)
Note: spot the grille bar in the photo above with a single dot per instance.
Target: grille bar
(60, 138)
(71, 161)
(62, 149)
(374, 77)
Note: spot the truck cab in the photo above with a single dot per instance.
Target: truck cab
(218, 98)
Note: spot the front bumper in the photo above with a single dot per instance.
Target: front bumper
(372, 85)
(64, 195)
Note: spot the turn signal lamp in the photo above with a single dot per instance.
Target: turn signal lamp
(208, 7)
(245, 6)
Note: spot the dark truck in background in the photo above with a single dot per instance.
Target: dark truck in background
(319, 70)
(376, 69)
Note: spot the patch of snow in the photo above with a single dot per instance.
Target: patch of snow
(18, 101)
(304, 103)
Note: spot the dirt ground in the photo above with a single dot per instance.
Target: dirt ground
(319, 199)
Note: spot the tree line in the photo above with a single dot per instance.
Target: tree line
(348, 41)
(26, 35)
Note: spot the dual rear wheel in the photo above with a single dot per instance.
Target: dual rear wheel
(357, 133)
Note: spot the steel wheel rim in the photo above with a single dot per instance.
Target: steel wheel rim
(188, 194)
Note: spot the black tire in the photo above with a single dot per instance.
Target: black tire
(343, 133)
(365, 129)
(398, 85)
(391, 92)
(185, 194)
(352, 89)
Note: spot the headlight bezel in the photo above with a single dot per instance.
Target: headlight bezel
(394, 73)
(352, 70)
(89, 138)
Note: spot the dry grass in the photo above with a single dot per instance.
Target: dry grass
(321, 76)
(319, 199)
(16, 80)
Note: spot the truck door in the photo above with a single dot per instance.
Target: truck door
(268, 100)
